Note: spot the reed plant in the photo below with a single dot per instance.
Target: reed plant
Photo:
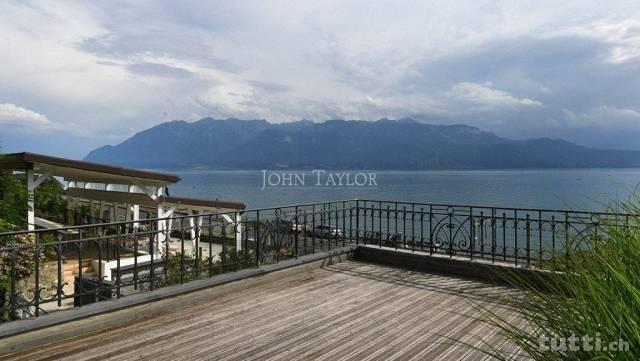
(589, 311)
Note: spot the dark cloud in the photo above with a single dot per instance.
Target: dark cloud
(566, 73)
(125, 46)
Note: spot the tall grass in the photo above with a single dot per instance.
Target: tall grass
(597, 297)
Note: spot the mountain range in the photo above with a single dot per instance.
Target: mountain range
(403, 144)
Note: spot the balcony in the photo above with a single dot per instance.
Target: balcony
(353, 278)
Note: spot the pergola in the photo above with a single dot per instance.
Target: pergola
(114, 187)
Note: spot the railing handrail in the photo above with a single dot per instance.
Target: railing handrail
(208, 214)
(548, 210)
(219, 213)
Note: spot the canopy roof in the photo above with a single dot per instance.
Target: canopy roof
(81, 171)
(143, 200)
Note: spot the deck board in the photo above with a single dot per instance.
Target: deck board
(350, 310)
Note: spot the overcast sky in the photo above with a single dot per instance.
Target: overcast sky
(78, 75)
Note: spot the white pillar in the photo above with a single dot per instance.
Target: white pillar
(32, 184)
(116, 212)
(194, 221)
(161, 223)
(101, 213)
(192, 232)
(31, 210)
(136, 216)
(127, 212)
(199, 222)
(238, 232)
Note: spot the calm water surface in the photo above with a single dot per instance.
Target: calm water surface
(584, 189)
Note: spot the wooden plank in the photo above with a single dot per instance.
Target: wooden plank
(349, 310)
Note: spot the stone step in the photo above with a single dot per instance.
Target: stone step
(77, 271)
(74, 263)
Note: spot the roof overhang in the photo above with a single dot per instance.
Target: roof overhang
(202, 205)
(81, 171)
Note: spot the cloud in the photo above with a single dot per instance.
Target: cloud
(486, 96)
(113, 68)
(605, 117)
(269, 87)
(11, 114)
(622, 38)
(158, 70)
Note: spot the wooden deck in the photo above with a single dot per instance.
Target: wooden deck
(349, 310)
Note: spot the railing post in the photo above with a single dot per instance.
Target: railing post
(327, 215)
(540, 225)
(430, 229)
(566, 239)
(450, 226)
(245, 248)
(504, 236)
(404, 227)
(60, 272)
(388, 225)
(421, 229)
(37, 281)
(152, 250)
(210, 239)
(12, 299)
(553, 241)
(295, 231)
(357, 222)
(373, 227)
(395, 229)
(344, 223)
(136, 245)
(481, 234)
(257, 230)
(528, 224)
(313, 229)
(182, 249)
(364, 219)
(413, 228)
(472, 233)
(337, 225)
(380, 224)
(493, 235)
(80, 283)
(118, 247)
(515, 236)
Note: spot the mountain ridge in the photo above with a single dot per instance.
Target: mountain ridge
(403, 144)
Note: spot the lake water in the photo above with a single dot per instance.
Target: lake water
(579, 189)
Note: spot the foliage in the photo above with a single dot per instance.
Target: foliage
(181, 268)
(598, 298)
(25, 259)
(13, 209)
(191, 270)
(13, 202)
(49, 201)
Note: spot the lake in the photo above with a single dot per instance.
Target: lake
(580, 189)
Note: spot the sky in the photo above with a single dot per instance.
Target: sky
(78, 75)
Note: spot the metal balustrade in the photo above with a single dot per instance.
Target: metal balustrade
(52, 269)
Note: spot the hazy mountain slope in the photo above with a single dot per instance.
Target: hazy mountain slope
(385, 144)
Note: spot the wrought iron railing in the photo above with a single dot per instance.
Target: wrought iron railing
(48, 270)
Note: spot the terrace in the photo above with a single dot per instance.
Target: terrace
(389, 280)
